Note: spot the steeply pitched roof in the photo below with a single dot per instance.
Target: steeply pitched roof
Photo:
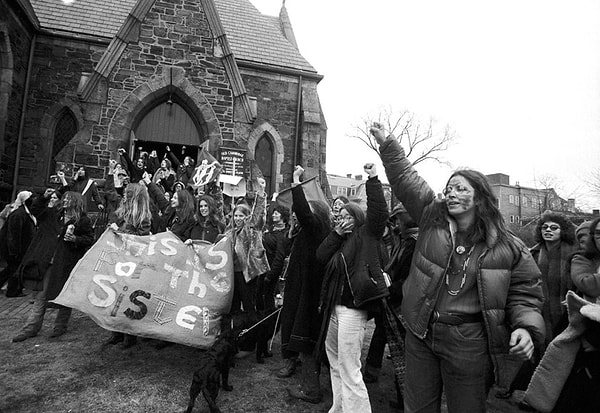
(90, 17)
(253, 36)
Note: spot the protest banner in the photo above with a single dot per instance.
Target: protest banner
(154, 286)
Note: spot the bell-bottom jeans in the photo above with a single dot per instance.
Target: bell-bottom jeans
(343, 344)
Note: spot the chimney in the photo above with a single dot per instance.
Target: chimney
(571, 204)
(348, 175)
(358, 177)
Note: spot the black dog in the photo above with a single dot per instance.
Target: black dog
(255, 330)
(214, 368)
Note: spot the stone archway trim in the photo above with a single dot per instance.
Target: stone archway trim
(256, 134)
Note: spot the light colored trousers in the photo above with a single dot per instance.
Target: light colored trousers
(344, 345)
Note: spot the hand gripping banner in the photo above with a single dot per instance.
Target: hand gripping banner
(154, 286)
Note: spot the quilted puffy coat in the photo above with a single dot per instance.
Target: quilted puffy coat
(508, 279)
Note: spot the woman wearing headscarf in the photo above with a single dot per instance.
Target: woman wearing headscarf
(75, 235)
(352, 288)
(472, 301)
(15, 237)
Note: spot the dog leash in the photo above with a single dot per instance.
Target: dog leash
(244, 331)
(275, 329)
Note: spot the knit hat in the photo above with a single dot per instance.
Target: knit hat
(583, 229)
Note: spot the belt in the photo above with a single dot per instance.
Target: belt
(455, 318)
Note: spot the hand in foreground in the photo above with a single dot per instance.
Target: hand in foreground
(298, 171)
(370, 169)
(378, 132)
(342, 228)
(49, 192)
(188, 242)
(146, 178)
(521, 344)
(114, 227)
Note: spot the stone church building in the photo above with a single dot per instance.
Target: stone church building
(80, 79)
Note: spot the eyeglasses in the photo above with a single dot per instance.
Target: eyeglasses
(458, 189)
(552, 227)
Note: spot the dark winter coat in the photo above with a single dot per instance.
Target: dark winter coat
(42, 247)
(355, 262)
(508, 280)
(554, 312)
(206, 230)
(67, 254)
(136, 174)
(300, 317)
(277, 246)
(183, 173)
(91, 197)
(16, 235)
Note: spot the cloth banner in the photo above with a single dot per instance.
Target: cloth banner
(154, 286)
(312, 192)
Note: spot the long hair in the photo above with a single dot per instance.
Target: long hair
(134, 208)
(567, 230)
(75, 207)
(355, 212)
(591, 250)
(186, 208)
(488, 218)
(212, 217)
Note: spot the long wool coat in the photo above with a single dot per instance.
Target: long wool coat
(300, 318)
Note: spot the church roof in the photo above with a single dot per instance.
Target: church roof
(253, 37)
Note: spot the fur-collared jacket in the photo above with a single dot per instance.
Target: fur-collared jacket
(250, 255)
(554, 311)
(508, 279)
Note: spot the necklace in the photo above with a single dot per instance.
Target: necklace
(463, 269)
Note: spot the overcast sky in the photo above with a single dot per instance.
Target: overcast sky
(519, 81)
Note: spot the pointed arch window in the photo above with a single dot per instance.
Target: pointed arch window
(64, 131)
(263, 156)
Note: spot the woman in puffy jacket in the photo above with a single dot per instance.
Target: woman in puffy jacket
(472, 301)
(353, 286)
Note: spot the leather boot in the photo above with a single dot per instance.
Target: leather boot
(288, 369)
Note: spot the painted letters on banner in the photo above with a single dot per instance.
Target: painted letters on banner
(154, 286)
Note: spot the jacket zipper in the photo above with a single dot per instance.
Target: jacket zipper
(348, 278)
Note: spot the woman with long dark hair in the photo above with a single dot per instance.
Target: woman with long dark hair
(133, 216)
(179, 217)
(208, 225)
(70, 234)
(473, 298)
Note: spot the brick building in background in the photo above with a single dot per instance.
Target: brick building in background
(80, 80)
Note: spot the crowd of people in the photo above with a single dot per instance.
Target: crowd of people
(461, 302)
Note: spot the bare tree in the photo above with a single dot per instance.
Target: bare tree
(421, 140)
(593, 182)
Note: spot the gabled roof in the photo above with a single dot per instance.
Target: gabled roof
(256, 38)
(336, 180)
(101, 18)
(253, 37)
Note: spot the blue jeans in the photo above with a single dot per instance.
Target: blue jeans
(453, 358)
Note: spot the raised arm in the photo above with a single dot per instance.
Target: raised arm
(259, 209)
(412, 190)
(377, 211)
